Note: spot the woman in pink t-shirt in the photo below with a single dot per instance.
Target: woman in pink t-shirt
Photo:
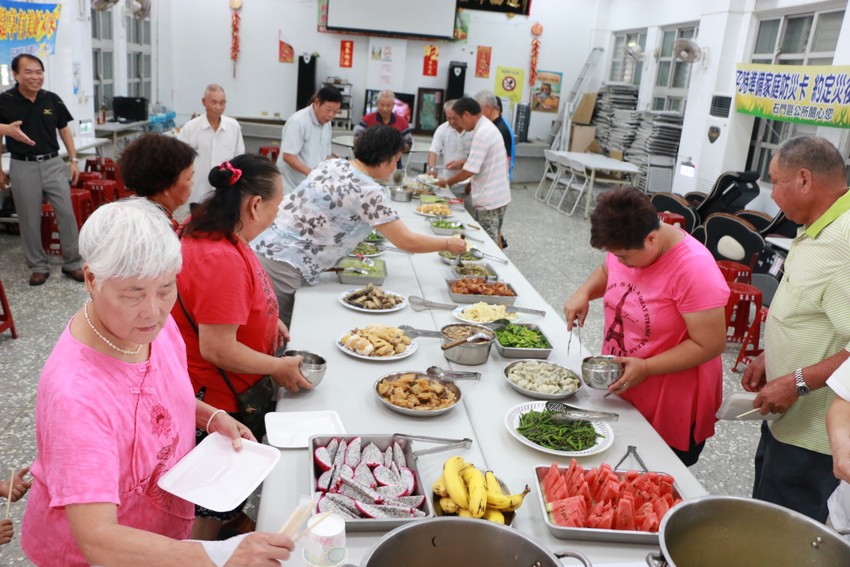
(115, 411)
(664, 300)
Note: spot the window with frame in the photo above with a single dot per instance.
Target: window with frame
(139, 70)
(673, 77)
(798, 39)
(626, 67)
(103, 64)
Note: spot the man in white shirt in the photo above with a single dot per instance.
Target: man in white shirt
(306, 138)
(487, 165)
(216, 138)
(450, 140)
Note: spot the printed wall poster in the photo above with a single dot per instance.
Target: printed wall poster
(386, 64)
(346, 53)
(430, 61)
(482, 62)
(810, 94)
(546, 94)
(285, 52)
(27, 28)
(461, 33)
(509, 83)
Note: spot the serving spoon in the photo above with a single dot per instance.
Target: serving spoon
(480, 255)
(474, 338)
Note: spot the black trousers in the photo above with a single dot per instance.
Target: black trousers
(795, 478)
(691, 456)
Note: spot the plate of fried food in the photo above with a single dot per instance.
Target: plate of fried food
(372, 299)
(376, 342)
(434, 210)
(474, 290)
(417, 394)
(367, 249)
(483, 312)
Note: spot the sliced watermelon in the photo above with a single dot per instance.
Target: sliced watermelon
(625, 515)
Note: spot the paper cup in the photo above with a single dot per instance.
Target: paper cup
(325, 545)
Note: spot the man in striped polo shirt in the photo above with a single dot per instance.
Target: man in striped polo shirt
(487, 165)
(807, 330)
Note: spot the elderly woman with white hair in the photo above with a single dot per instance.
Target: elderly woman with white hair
(115, 411)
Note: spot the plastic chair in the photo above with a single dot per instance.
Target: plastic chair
(728, 237)
(750, 345)
(6, 321)
(581, 175)
(564, 176)
(782, 226)
(731, 192)
(550, 173)
(742, 297)
(83, 204)
(758, 219)
(271, 152)
(670, 202)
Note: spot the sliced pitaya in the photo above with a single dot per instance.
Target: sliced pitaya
(362, 475)
(393, 490)
(409, 478)
(415, 501)
(386, 476)
(388, 456)
(332, 447)
(360, 492)
(344, 501)
(324, 482)
(328, 505)
(394, 468)
(398, 456)
(338, 462)
(323, 458)
(347, 472)
(385, 512)
(371, 455)
(352, 454)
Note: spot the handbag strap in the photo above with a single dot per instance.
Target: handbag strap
(195, 327)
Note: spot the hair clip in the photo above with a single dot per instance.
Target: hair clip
(235, 174)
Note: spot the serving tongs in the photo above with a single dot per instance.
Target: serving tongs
(445, 444)
(413, 333)
(632, 450)
(337, 269)
(567, 413)
(421, 304)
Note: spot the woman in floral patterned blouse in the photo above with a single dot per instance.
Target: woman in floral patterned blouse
(332, 211)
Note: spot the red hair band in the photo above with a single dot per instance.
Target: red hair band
(235, 174)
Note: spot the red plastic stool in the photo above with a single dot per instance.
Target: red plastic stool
(750, 346)
(102, 191)
(96, 163)
(110, 171)
(50, 231)
(83, 205)
(87, 176)
(674, 219)
(735, 272)
(271, 152)
(741, 297)
(6, 321)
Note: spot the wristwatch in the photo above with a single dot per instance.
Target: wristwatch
(802, 388)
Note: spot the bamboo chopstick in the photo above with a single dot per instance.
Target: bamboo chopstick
(746, 413)
(9, 496)
(296, 519)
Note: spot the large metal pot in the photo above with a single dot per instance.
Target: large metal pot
(470, 354)
(461, 542)
(711, 531)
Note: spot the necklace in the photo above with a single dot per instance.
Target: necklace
(104, 339)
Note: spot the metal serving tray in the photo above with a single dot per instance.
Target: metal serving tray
(411, 456)
(516, 352)
(351, 278)
(593, 534)
(447, 231)
(488, 267)
(475, 298)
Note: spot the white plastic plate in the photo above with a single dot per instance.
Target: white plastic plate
(397, 307)
(411, 348)
(741, 403)
(216, 477)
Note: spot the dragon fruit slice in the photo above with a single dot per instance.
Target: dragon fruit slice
(371, 455)
(409, 478)
(386, 512)
(328, 505)
(362, 475)
(324, 482)
(338, 462)
(386, 476)
(393, 490)
(415, 501)
(352, 454)
(388, 456)
(323, 458)
(360, 492)
(344, 502)
(332, 447)
(398, 456)
(347, 472)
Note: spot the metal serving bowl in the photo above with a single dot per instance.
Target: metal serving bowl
(313, 366)
(470, 354)
(400, 194)
(599, 372)
(421, 412)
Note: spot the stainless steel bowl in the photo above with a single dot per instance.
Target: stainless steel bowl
(599, 372)
(470, 354)
(400, 194)
(418, 412)
(313, 366)
(539, 395)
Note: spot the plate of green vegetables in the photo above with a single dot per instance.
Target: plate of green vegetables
(531, 424)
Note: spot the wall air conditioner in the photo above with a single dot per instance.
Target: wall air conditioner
(714, 142)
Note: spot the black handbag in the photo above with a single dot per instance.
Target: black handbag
(255, 402)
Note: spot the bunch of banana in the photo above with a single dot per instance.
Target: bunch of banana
(467, 492)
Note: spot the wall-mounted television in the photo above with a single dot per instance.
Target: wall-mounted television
(404, 104)
(129, 108)
(412, 18)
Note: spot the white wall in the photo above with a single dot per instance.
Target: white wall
(199, 53)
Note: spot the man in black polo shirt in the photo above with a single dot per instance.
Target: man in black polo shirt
(37, 170)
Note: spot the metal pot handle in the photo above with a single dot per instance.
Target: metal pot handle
(655, 559)
(575, 555)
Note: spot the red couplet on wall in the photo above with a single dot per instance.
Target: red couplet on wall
(346, 53)
(429, 63)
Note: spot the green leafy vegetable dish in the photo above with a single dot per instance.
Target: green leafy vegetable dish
(519, 336)
(366, 249)
(465, 257)
(473, 270)
(376, 270)
(537, 427)
(374, 237)
(443, 223)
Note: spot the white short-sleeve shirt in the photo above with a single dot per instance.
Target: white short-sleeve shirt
(213, 147)
(453, 145)
(307, 139)
(488, 163)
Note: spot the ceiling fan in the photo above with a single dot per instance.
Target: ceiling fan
(100, 5)
(140, 9)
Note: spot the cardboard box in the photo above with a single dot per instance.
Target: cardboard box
(581, 137)
(584, 110)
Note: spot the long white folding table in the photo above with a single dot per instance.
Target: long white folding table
(595, 163)
(319, 319)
